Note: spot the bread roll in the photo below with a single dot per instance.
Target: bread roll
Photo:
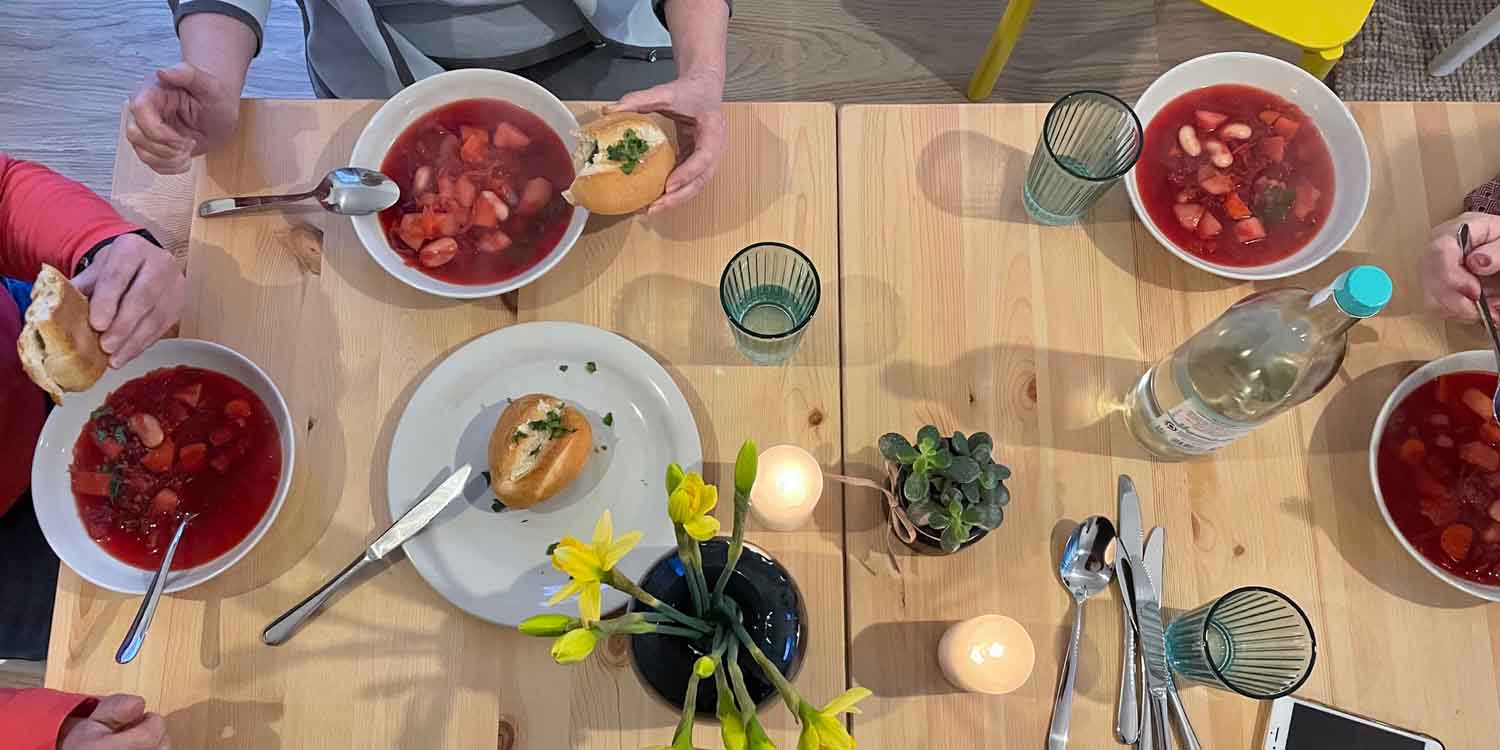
(539, 446)
(59, 349)
(603, 186)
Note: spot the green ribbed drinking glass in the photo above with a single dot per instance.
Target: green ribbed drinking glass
(770, 291)
(1089, 140)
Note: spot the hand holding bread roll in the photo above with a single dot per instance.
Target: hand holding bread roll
(623, 161)
(59, 349)
(539, 446)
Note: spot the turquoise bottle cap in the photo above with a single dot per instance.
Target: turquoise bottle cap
(1362, 291)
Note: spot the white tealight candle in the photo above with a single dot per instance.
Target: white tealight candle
(987, 654)
(788, 483)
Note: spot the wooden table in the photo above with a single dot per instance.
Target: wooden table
(954, 309)
(960, 312)
(392, 665)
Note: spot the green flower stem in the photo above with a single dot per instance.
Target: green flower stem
(680, 632)
(788, 693)
(692, 570)
(736, 542)
(622, 582)
(737, 681)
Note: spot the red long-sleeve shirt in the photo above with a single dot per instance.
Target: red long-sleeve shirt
(44, 218)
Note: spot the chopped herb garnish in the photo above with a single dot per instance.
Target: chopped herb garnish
(629, 150)
(1274, 202)
(120, 434)
(551, 547)
(562, 368)
(101, 412)
(603, 447)
(593, 153)
(496, 507)
(552, 425)
(518, 437)
(591, 367)
(486, 476)
(115, 485)
(609, 419)
(536, 450)
(100, 436)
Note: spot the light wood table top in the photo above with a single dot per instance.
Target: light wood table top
(391, 664)
(961, 312)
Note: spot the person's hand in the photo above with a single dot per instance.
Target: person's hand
(1450, 285)
(135, 293)
(119, 722)
(695, 103)
(178, 113)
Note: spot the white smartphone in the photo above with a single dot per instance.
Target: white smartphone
(1298, 724)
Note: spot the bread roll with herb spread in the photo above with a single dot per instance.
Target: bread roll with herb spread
(622, 163)
(539, 446)
(59, 350)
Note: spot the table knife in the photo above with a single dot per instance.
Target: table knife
(281, 629)
(1128, 715)
(1153, 639)
(1155, 567)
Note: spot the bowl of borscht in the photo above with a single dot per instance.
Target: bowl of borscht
(1435, 466)
(482, 158)
(1250, 167)
(187, 426)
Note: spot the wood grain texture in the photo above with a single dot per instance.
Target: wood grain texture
(347, 345)
(965, 314)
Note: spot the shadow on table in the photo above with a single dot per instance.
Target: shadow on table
(971, 175)
(1355, 526)
(1003, 380)
(227, 725)
(743, 187)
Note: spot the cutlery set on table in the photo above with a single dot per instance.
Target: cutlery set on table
(1149, 705)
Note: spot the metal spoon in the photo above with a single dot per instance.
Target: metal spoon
(350, 191)
(1084, 572)
(137, 635)
(1484, 312)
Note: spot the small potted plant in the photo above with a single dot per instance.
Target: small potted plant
(952, 490)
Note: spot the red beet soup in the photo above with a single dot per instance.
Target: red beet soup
(174, 441)
(1439, 472)
(1235, 175)
(481, 192)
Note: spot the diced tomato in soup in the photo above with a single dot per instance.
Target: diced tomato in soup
(481, 192)
(175, 441)
(1235, 175)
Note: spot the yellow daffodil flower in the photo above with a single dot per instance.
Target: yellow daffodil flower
(756, 738)
(574, 646)
(822, 729)
(588, 564)
(731, 723)
(690, 505)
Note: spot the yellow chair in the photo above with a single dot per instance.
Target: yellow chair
(1319, 27)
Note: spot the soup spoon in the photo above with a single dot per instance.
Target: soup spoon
(348, 191)
(1483, 303)
(137, 635)
(1084, 572)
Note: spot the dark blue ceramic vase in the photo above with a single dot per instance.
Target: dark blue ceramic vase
(771, 608)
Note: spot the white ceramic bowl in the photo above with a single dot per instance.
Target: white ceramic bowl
(51, 488)
(1471, 361)
(1351, 162)
(414, 101)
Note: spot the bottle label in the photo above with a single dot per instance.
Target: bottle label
(1193, 430)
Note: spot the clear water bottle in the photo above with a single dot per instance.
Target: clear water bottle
(1266, 354)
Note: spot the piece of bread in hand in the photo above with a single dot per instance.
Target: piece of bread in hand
(622, 162)
(59, 349)
(538, 447)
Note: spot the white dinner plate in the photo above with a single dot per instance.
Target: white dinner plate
(494, 564)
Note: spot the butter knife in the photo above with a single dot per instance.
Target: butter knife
(1128, 715)
(281, 629)
(1155, 567)
(1153, 639)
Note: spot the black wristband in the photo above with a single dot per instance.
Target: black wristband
(88, 257)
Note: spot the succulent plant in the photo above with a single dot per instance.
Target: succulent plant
(951, 485)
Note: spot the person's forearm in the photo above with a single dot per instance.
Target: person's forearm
(48, 218)
(218, 44)
(699, 31)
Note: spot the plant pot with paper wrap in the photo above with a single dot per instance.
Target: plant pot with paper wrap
(950, 488)
(712, 653)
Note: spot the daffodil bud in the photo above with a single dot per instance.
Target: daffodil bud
(746, 464)
(674, 478)
(574, 646)
(705, 666)
(548, 626)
